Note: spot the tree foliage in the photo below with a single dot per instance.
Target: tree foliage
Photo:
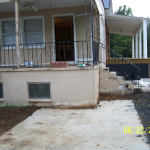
(122, 44)
(123, 10)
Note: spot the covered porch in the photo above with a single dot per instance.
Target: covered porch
(37, 33)
(136, 27)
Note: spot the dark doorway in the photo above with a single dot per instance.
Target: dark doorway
(64, 38)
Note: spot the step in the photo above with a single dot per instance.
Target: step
(112, 75)
(120, 80)
(104, 72)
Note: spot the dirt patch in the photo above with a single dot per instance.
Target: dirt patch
(11, 116)
(142, 105)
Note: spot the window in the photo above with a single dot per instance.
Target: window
(39, 90)
(1, 90)
(8, 30)
(33, 31)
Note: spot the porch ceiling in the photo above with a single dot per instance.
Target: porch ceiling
(124, 25)
(40, 4)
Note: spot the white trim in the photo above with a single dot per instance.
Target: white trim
(74, 28)
(133, 56)
(39, 101)
(144, 39)
(2, 100)
(53, 37)
(85, 59)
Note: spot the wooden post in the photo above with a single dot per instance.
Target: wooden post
(17, 34)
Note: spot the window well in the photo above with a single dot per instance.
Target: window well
(39, 90)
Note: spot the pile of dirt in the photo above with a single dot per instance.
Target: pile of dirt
(11, 116)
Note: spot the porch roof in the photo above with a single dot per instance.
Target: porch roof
(125, 25)
(8, 5)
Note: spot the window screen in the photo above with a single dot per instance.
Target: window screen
(8, 29)
(33, 31)
(39, 90)
(1, 90)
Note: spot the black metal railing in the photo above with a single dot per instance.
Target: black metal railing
(42, 54)
(119, 64)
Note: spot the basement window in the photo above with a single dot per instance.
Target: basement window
(39, 90)
(1, 90)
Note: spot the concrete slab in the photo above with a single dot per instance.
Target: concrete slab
(145, 89)
(101, 128)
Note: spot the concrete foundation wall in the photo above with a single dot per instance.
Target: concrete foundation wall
(70, 88)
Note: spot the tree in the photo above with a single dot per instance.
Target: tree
(122, 44)
(123, 10)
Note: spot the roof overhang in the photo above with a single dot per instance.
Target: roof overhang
(125, 25)
(8, 5)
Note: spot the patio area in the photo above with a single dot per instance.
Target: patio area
(101, 128)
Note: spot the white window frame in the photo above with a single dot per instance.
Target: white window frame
(42, 100)
(22, 29)
(22, 38)
(53, 31)
(1, 27)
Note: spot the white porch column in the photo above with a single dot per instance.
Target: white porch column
(136, 46)
(140, 44)
(144, 39)
(17, 33)
(133, 56)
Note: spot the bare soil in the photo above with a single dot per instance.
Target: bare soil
(11, 116)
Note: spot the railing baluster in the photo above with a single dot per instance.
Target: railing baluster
(13, 55)
(41, 54)
(37, 56)
(8, 56)
(45, 54)
(64, 52)
(50, 51)
(28, 54)
(32, 52)
(78, 53)
(68, 53)
(83, 52)
(59, 52)
(24, 55)
(4, 56)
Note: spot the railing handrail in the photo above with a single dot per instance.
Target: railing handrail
(108, 48)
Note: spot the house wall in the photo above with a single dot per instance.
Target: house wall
(70, 87)
(48, 13)
(80, 23)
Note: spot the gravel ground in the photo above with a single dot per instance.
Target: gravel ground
(142, 105)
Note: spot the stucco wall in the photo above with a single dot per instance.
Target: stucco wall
(69, 88)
